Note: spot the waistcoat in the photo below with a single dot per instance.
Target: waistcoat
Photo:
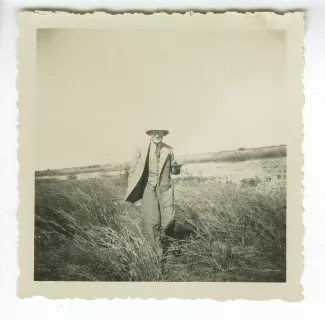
(153, 166)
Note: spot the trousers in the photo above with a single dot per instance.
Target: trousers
(159, 216)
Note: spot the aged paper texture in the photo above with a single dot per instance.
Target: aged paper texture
(225, 90)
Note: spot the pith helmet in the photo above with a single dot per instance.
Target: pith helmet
(152, 130)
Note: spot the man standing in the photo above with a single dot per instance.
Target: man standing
(150, 180)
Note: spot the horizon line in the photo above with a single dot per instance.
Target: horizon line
(179, 156)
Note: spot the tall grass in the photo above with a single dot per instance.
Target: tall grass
(84, 232)
(239, 232)
(225, 232)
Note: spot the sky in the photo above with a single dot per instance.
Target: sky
(99, 90)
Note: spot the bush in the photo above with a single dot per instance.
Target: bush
(251, 181)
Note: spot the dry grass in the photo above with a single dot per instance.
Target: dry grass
(238, 231)
(83, 232)
(226, 232)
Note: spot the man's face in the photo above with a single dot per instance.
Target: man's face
(157, 136)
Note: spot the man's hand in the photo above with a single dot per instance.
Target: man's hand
(177, 165)
(176, 168)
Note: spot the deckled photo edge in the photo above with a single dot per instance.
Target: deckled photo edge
(27, 287)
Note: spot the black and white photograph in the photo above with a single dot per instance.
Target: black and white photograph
(161, 153)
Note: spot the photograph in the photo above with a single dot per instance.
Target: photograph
(163, 149)
(213, 210)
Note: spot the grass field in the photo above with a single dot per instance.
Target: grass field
(229, 229)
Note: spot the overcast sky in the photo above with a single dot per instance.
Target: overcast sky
(99, 90)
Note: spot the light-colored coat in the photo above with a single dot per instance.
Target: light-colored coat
(138, 171)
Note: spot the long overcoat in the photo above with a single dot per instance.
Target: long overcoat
(138, 173)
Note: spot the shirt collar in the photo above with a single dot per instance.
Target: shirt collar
(153, 145)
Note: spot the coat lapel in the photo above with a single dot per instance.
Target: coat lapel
(164, 152)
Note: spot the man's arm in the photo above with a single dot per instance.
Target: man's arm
(175, 166)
